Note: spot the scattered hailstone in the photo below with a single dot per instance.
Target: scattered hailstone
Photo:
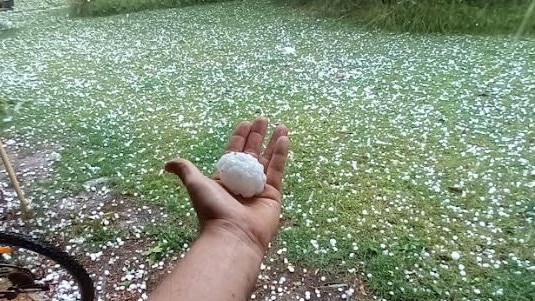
(288, 50)
(241, 173)
(455, 255)
(10, 142)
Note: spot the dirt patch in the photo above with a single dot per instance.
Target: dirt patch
(119, 270)
(106, 232)
(281, 280)
(30, 166)
(157, 274)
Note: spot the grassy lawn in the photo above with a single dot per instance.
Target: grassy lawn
(405, 148)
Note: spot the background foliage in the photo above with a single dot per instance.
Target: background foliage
(110, 7)
(452, 16)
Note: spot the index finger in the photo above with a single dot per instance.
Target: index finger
(279, 131)
(253, 145)
(239, 137)
(275, 169)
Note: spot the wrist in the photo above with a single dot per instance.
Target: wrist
(234, 234)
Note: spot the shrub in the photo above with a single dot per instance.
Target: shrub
(110, 7)
(445, 16)
(3, 108)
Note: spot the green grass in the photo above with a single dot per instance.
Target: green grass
(110, 7)
(425, 16)
(381, 124)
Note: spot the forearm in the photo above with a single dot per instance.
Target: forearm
(220, 266)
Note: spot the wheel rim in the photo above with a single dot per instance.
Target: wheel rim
(29, 274)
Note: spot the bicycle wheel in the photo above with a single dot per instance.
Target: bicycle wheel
(36, 271)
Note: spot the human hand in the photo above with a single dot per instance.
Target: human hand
(254, 220)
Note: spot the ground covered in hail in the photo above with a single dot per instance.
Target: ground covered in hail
(412, 166)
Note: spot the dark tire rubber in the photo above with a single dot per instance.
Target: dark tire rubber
(75, 269)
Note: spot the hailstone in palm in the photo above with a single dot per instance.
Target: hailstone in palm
(241, 173)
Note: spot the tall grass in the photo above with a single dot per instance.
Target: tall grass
(110, 7)
(444, 16)
(530, 15)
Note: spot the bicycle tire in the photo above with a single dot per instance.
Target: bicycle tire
(66, 261)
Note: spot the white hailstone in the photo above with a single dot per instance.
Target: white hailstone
(332, 241)
(455, 255)
(288, 50)
(241, 173)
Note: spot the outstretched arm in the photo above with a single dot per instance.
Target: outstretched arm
(223, 263)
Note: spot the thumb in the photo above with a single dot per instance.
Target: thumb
(188, 173)
(200, 188)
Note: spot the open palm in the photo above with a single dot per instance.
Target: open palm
(255, 219)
